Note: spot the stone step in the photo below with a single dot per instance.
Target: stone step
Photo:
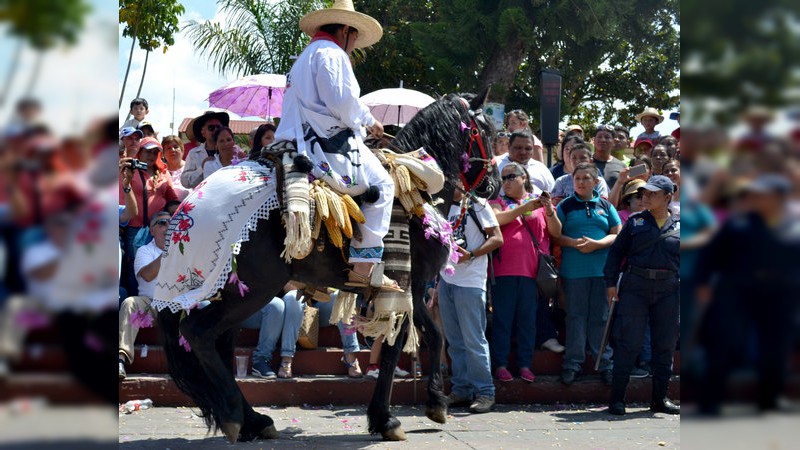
(57, 388)
(320, 361)
(337, 390)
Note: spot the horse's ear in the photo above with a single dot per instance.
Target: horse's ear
(477, 102)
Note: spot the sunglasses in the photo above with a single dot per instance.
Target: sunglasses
(503, 134)
(162, 222)
(509, 177)
(212, 127)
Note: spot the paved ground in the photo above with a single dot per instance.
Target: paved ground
(509, 427)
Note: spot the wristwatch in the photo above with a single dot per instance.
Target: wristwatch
(471, 255)
(126, 189)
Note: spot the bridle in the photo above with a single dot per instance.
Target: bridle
(467, 188)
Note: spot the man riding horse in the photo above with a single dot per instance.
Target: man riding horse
(323, 116)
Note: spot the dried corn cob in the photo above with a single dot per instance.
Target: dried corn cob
(337, 209)
(321, 200)
(334, 232)
(403, 178)
(317, 225)
(352, 209)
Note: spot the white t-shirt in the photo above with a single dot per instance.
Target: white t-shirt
(144, 256)
(471, 273)
(541, 178)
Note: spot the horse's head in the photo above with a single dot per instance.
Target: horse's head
(479, 174)
(456, 133)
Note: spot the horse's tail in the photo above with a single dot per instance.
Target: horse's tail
(187, 373)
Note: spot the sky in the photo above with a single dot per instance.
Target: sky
(72, 87)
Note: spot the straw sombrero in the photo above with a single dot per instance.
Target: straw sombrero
(199, 122)
(342, 11)
(652, 112)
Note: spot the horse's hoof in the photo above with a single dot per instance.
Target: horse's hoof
(395, 434)
(438, 415)
(270, 432)
(231, 431)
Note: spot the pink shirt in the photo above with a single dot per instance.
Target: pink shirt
(518, 255)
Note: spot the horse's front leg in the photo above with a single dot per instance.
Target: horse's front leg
(379, 418)
(436, 406)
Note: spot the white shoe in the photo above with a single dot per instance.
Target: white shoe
(553, 345)
(373, 373)
(400, 373)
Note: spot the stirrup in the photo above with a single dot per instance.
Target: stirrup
(384, 282)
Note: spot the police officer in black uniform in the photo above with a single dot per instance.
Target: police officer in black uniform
(647, 256)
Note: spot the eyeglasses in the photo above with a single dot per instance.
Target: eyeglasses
(509, 177)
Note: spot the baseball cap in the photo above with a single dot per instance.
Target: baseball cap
(127, 131)
(146, 124)
(158, 216)
(149, 143)
(643, 141)
(659, 183)
(770, 183)
(573, 127)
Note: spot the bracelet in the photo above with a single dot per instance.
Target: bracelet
(471, 255)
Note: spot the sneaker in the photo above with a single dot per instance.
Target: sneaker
(503, 374)
(261, 369)
(553, 345)
(122, 373)
(482, 405)
(568, 376)
(526, 375)
(455, 400)
(638, 372)
(400, 373)
(372, 371)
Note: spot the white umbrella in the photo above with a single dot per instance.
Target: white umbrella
(396, 106)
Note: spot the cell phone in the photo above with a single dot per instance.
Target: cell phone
(637, 170)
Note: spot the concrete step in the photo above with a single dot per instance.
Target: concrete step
(337, 390)
(57, 388)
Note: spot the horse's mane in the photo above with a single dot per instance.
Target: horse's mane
(437, 128)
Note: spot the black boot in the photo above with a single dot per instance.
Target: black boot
(619, 384)
(660, 402)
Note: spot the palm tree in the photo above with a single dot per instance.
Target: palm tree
(258, 36)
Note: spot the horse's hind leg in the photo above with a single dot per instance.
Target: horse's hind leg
(202, 329)
(379, 419)
(436, 406)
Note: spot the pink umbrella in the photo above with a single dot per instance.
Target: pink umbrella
(396, 106)
(251, 96)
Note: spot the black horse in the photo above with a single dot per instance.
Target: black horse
(448, 129)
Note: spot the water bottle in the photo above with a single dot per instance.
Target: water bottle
(136, 405)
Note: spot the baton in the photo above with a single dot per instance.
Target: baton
(606, 333)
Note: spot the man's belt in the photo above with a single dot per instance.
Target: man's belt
(652, 274)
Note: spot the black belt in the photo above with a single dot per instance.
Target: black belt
(652, 274)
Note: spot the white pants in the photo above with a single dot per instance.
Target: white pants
(379, 214)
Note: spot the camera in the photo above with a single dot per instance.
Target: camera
(136, 164)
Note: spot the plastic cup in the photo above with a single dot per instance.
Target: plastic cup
(241, 366)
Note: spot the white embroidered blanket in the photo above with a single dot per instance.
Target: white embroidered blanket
(207, 231)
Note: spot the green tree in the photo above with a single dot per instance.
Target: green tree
(738, 53)
(257, 37)
(42, 25)
(154, 23)
(615, 56)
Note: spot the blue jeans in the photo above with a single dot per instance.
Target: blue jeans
(463, 313)
(514, 299)
(279, 319)
(349, 340)
(587, 312)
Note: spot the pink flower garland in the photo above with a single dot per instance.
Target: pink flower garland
(184, 343)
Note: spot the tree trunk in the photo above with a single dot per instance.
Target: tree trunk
(144, 72)
(501, 69)
(12, 71)
(130, 59)
(37, 69)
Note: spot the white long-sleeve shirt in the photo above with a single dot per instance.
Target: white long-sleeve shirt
(327, 97)
(193, 168)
